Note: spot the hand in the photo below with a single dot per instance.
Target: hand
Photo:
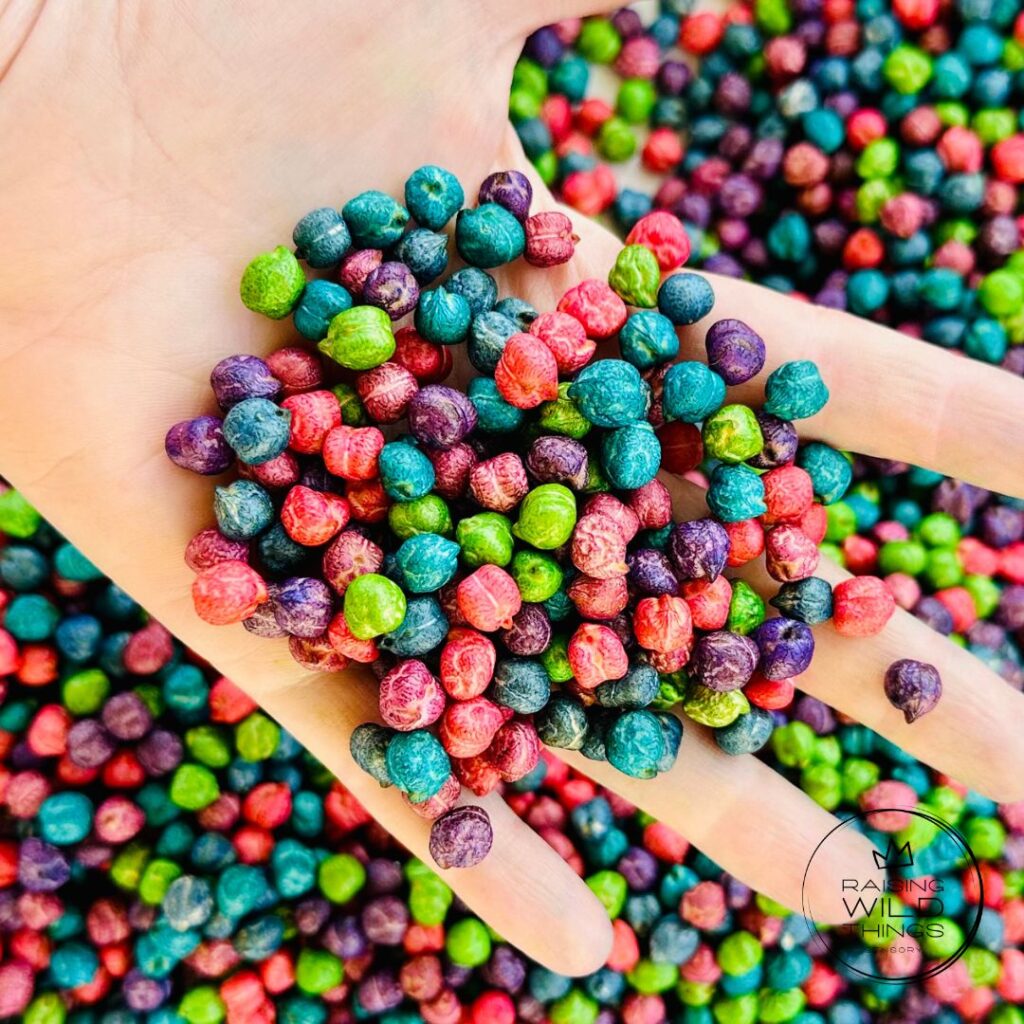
(161, 146)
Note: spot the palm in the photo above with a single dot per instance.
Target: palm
(159, 195)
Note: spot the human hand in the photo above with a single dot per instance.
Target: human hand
(179, 140)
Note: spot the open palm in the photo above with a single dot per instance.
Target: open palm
(160, 146)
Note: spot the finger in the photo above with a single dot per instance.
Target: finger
(892, 396)
(749, 819)
(522, 889)
(972, 734)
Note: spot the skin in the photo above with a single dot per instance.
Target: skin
(129, 206)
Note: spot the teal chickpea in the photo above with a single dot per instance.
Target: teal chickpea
(489, 236)
(405, 472)
(321, 238)
(648, 339)
(685, 298)
(427, 562)
(433, 196)
(442, 317)
(691, 392)
(610, 393)
(795, 391)
(375, 220)
(321, 301)
(631, 456)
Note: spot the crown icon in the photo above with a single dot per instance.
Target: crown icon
(894, 857)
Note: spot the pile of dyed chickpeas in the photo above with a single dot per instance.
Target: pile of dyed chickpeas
(868, 155)
(168, 854)
(561, 599)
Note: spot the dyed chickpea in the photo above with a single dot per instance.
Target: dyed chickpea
(209, 546)
(386, 391)
(393, 288)
(359, 338)
(321, 238)
(280, 472)
(468, 726)
(427, 362)
(356, 266)
(510, 189)
(452, 467)
(228, 592)
(312, 518)
(790, 554)
(565, 337)
(786, 647)
(433, 196)
(405, 472)
(530, 632)
(550, 239)
(664, 234)
(595, 655)
(630, 456)
(735, 352)
(663, 623)
(685, 298)
(489, 599)
(861, 606)
(699, 549)
(467, 664)
(599, 598)
(795, 391)
(724, 661)
(375, 219)
(610, 393)
(732, 434)
(746, 541)
(636, 744)
(242, 509)
(350, 555)
(489, 236)
(527, 373)
(272, 283)
(199, 445)
(417, 764)
(373, 605)
(635, 276)
(440, 416)
(554, 459)
(914, 687)
(601, 312)
(691, 392)
(598, 547)
(788, 493)
(515, 750)
(239, 377)
(648, 339)
(652, 505)
(351, 647)
(296, 369)
(499, 484)
(651, 572)
(410, 697)
(709, 602)
(303, 606)
(352, 453)
(431, 809)
(462, 838)
(313, 415)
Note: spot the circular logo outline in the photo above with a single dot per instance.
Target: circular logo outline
(969, 935)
